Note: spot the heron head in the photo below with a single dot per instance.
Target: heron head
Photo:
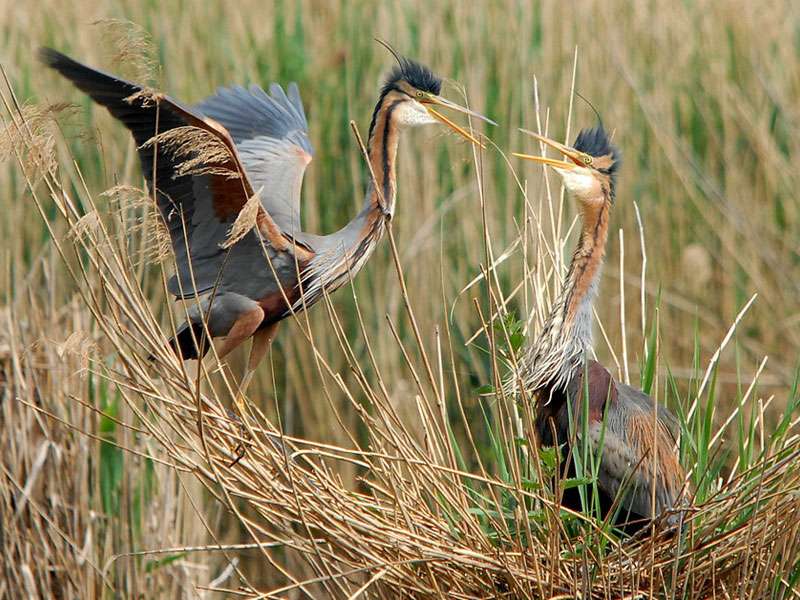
(589, 166)
(412, 91)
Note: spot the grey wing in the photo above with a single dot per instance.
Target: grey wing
(646, 403)
(271, 136)
(640, 450)
(197, 208)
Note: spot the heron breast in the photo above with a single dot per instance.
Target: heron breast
(601, 389)
(276, 304)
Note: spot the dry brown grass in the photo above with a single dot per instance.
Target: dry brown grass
(350, 482)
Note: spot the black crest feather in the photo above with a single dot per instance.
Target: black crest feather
(595, 142)
(420, 76)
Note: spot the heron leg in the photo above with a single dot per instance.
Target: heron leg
(262, 340)
(244, 327)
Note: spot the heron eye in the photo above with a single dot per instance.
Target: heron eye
(587, 160)
(420, 94)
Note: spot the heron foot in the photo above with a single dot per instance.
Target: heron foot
(240, 449)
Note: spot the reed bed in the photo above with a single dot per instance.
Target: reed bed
(377, 456)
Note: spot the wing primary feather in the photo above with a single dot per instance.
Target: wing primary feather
(197, 208)
(271, 137)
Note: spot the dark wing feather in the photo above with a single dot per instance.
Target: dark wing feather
(630, 441)
(197, 208)
(648, 443)
(271, 136)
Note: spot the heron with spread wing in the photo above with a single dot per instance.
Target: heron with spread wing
(636, 440)
(246, 288)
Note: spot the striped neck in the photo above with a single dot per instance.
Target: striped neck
(384, 135)
(567, 334)
(342, 254)
(583, 277)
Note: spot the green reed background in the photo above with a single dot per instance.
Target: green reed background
(702, 98)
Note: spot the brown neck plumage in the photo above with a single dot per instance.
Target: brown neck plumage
(342, 254)
(580, 288)
(384, 135)
(567, 334)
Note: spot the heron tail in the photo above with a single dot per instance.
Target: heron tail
(184, 341)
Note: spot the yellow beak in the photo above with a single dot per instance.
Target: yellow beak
(577, 158)
(439, 101)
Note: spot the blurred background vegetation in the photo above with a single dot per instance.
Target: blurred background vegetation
(703, 98)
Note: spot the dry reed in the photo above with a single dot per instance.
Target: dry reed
(390, 504)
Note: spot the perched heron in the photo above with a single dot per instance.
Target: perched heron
(242, 295)
(638, 459)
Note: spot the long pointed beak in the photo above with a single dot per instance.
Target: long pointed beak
(439, 101)
(577, 158)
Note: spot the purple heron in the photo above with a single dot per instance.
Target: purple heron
(639, 468)
(267, 149)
